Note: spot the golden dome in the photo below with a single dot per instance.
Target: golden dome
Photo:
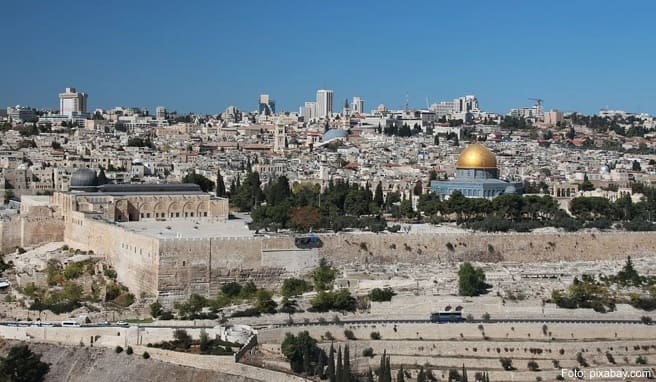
(477, 156)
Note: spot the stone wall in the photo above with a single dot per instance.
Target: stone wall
(202, 266)
(135, 257)
(10, 234)
(520, 247)
(35, 230)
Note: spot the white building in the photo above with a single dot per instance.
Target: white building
(457, 108)
(20, 114)
(308, 111)
(71, 102)
(160, 113)
(324, 103)
(358, 106)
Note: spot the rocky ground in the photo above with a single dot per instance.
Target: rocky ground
(83, 364)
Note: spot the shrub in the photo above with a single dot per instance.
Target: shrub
(485, 317)
(349, 334)
(581, 360)
(506, 363)
(329, 336)
(294, 287)
(145, 355)
(118, 350)
(73, 271)
(368, 352)
(129, 350)
(379, 295)
(610, 358)
(533, 366)
(375, 335)
(471, 280)
(646, 320)
(641, 360)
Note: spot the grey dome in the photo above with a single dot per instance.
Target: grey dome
(333, 134)
(84, 178)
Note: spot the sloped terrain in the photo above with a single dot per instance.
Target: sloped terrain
(83, 364)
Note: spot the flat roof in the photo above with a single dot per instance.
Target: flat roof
(189, 228)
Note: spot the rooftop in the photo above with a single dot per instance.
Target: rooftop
(189, 228)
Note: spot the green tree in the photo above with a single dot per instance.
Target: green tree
(302, 352)
(378, 195)
(471, 280)
(400, 375)
(324, 275)
(330, 372)
(264, 302)
(22, 365)
(156, 309)
(406, 209)
(204, 183)
(294, 287)
(220, 185)
(378, 294)
(421, 377)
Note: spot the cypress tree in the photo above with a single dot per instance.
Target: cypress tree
(388, 370)
(421, 377)
(331, 365)
(347, 364)
(220, 184)
(370, 376)
(378, 195)
(321, 365)
(464, 374)
(339, 366)
(381, 376)
(400, 375)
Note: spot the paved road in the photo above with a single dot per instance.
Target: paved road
(351, 322)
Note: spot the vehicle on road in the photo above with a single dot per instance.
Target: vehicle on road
(444, 317)
(70, 324)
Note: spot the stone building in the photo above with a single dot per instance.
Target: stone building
(477, 176)
(135, 202)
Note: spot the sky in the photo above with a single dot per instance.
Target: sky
(202, 56)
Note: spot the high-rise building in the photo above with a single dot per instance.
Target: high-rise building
(308, 111)
(324, 103)
(266, 105)
(357, 106)
(72, 102)
(160, 113)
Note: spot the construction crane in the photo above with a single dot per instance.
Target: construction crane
(538, 106)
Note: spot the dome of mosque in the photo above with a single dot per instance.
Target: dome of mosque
(476, 156)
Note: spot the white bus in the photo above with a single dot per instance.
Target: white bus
(70, 324)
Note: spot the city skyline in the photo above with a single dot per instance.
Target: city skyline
(229, 54)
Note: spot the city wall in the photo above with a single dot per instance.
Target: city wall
(135, 257)
(203, 265)
(10, 234)
(175, 268)
(388, 248)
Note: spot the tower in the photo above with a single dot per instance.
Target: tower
(72, 102)
(324, 103)
(280, 137)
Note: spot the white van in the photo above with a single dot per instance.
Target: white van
(70, 324)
